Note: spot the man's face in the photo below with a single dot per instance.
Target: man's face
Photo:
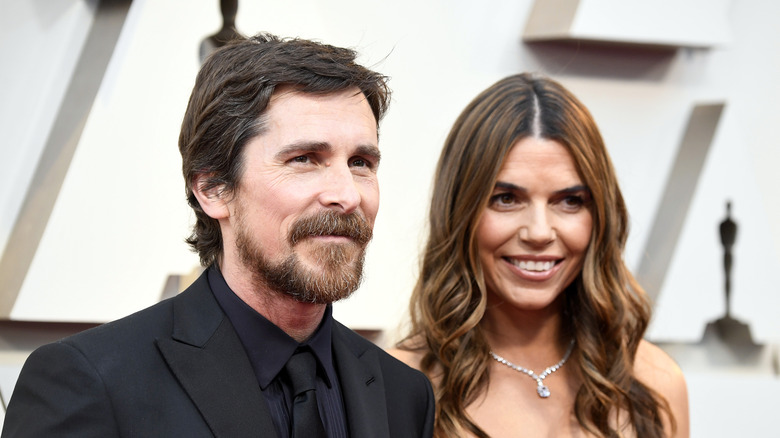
(308, 195)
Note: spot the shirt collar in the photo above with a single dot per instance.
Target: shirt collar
(268, 346)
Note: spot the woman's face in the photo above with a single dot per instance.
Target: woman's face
(534, 233)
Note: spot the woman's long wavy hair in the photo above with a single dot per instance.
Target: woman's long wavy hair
(449, 300)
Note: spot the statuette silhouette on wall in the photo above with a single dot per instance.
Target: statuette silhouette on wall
(728, 235)
(731, 331)
(229, 9)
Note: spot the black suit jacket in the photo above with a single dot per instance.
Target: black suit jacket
(178, 369)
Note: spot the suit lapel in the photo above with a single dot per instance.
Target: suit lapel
(209, 361)
(362, 385)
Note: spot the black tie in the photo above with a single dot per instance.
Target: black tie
(302, 370)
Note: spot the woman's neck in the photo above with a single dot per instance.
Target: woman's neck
(533, 338)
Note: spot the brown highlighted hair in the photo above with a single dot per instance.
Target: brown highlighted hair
(605, 309)
(229, 101)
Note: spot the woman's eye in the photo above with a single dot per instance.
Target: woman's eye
(503, 199)
(573, 202)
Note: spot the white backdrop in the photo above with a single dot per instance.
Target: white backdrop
(116, 232)
(121, 217)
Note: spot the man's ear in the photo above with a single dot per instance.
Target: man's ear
(212, 200)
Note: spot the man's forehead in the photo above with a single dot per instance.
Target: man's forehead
(287, 92)
(297, 120)
(291, 100)
(299, 111)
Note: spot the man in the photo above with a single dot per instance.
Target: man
(279, 149)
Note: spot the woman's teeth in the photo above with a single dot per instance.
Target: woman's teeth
(533, 266)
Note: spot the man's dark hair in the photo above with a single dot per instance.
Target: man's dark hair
(228, 107)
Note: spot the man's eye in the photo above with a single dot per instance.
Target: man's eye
(301, 159)
(359, 162)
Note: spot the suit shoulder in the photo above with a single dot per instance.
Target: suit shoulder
(389, 362)
(144, 324)
(410, 352)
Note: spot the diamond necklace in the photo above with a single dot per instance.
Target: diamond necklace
(541, 389)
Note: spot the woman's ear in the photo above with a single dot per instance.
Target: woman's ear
(211, 200)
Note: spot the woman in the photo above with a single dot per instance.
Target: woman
(525, 316)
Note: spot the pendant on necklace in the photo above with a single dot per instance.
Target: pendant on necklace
(542, 390)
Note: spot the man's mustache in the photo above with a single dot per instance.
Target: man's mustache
(330, 223)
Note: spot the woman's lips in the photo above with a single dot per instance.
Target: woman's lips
(534, 269)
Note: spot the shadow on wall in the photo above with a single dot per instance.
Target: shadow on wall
(601, 60)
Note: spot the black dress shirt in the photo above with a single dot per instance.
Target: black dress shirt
(269, 348)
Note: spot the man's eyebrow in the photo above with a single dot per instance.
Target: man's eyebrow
(371, 151)
(302, 147)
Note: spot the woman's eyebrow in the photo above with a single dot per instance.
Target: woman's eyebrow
(509, 186)
(573, 189)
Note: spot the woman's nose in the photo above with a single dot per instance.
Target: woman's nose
(536, 228)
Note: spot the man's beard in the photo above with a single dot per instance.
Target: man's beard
(340, 264)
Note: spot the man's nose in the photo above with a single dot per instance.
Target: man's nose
(340, 190)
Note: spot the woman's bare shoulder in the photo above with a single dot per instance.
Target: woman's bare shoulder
(656, 369)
